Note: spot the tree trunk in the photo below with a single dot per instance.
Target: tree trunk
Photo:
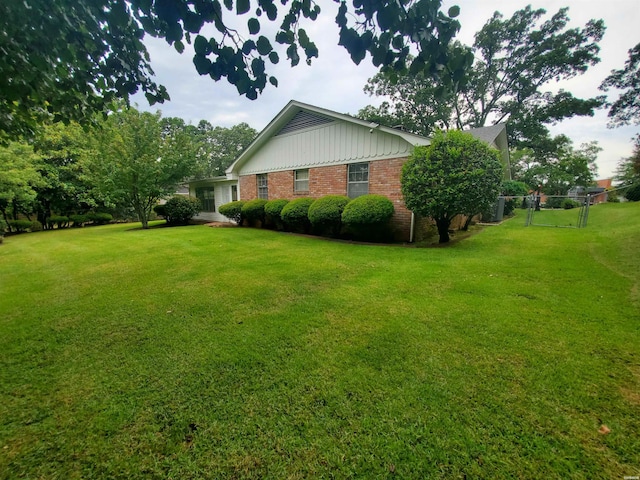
(467, 222)
(443, 228)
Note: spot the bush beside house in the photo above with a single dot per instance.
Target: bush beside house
(233, 211)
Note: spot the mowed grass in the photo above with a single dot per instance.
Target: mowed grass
(199, 352)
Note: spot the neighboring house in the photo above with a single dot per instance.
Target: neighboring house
(307, 151)
(598, 192)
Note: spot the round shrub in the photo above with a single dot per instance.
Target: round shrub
(295, 214)
(325, 214)
(20, 225)
(568, 204)
(367, 217)
(253, 211)
(79, 220)
(100, 218)
(272, 210)
(180, 209)
(633, 193)
(60, 221)
(232, 210)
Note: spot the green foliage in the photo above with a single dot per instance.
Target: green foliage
(367, 217)
(272, 210)
(79, 220)
(60, 221)
(100, 218)
(160, 210)
(633, 193)
(295, 214)
(20, 226)
(233, 211)
(78, 56)
(626, 109)
(516, 60)
(218, 147)
(141, 159)
(3, 227)
(253, 211)
(569, 204)
(457, 174)
(180, 209)
(325, 214)
(512, 188)
(19, 179)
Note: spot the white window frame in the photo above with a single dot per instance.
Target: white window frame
(207, 198)
(301, 185)
(262, 186)
(357, 179)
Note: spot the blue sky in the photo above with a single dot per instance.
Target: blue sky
(334, 82)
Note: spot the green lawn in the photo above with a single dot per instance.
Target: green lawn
(198, 352)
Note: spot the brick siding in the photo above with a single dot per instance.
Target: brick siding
(384, 179)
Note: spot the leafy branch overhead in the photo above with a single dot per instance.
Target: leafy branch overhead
(71, 58)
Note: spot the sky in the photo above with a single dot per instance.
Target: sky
(334, 82)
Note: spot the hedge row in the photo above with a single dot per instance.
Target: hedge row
(363, 218)
(63, 221)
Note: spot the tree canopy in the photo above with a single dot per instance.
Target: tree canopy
(626, 109)
(67, 59)
(456, 174)
(516, 60)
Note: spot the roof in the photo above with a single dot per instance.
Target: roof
(303, 115)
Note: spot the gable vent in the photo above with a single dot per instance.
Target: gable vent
(303, 120)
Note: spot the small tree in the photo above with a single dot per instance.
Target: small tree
(454, 175)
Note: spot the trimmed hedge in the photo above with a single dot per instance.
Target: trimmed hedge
(79, 220)
(295, 214)
(20, 226)
(100, 218)
(367, 217)
(60, 221)
(233, 211)
(253, 211)
(180, 209)
(325, 214)
(272, 210)
(568, 204)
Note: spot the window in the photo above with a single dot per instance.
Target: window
(207, 198)
(234, 193)
(358, 180)
(301, 181)
(263, 188)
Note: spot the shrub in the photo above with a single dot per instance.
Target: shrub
(295, 214)
(272, 210)
(510, 189)
(79, 220)
(180, 209)
(568, 204)
(553, 202)
(325, 214)
(633, 193)
(367, 217)
(60, 221)
(36, 226)
(100, 218)
(253, 211)
(160, 210)
(3, 227)
(20, 225)
(233, 211)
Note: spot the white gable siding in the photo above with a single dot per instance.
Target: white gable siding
(334, 143)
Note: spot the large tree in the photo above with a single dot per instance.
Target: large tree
(456, 174)
(71, 58)
(19, 178)
(626, 109)
(138, 162)
(218, 147)
(517, 60)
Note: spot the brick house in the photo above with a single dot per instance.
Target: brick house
(307, 151)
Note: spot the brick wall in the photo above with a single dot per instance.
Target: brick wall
(384, 179)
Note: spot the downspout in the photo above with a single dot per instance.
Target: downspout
(413, 224)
